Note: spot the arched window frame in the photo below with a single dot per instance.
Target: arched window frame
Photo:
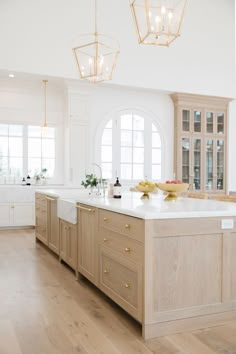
(115, 116)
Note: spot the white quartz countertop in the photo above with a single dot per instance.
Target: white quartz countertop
(154, 208)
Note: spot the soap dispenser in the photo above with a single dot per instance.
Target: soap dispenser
(28, 180)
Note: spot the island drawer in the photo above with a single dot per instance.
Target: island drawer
(122, 224)
(121, 280)
(129, 248)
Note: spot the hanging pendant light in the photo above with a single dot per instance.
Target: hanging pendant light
(96, 55)
(45, 123)
(158, 22)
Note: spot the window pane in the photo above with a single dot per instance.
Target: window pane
(126, 171)
(34, 147)
(34, 132)
(126, 138)
(16, 166)
(156, 156)
(49, 164)
(3, 129)
(16, 130)
(49, 133)
(106, 153)
(138, 123)
(48, 148)
(15, 147)
(3, 146)
(156, 172)
(109, 124)
(138, 172)
(34, 166)
(154, 129)
(138, 139)
(107, 170)
(156, 140)
(126, 154)
(138, 155)
(3, 166)
(107, 137)
(126, 121)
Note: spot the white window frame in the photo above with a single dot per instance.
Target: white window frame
(115, 117)
(58, 174)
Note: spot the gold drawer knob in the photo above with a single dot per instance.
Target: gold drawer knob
(127, 286)
(127, 226)
(105, 219)
(105, 240)
(127, 249)
(106, 271)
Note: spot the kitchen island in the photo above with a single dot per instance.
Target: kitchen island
(171, 265)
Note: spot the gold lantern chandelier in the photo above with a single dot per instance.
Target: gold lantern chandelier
(158, 22)
(96, 55)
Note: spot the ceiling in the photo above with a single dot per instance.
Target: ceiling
(37, 36)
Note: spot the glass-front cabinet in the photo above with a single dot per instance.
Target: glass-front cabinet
(200, 141)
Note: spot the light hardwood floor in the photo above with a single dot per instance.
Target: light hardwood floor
(44, 310)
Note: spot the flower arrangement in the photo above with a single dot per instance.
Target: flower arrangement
(90, 181)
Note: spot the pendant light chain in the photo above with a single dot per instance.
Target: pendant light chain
(95, 16)
(45, 103)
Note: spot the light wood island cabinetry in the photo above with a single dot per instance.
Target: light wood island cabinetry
(120, 254)
(46, 221)
(68, 243)
(87, 242)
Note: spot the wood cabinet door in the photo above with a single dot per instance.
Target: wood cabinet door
(72, 246)
(41, 224)
(53, 225)
(63, 240)
(88, 231)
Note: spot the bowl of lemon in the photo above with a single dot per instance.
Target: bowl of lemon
(146, 187)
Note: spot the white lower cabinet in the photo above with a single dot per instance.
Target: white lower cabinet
(16, 214)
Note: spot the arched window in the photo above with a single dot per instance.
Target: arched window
(131, 148)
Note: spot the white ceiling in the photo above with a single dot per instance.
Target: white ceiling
(37, 36)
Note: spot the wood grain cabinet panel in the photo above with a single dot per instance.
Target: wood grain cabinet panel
(87, 245)
(52, 224)
(127, 247)
(121, 280)
(68, 243)
(122, 224)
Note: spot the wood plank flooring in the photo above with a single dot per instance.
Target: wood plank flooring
(44, 310)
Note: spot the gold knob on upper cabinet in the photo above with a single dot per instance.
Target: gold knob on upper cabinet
(106, 271)
(127, 285)
(127, 226)
(105, 219)
(105, 240)
(127, 249)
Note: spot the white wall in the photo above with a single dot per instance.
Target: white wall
(37, 37)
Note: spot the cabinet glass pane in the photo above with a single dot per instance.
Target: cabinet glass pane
(220, 123)
(220, 164)
(185, 160)
(209, 122)
(197, 164)
(209, 164)
(197, 121)
(186, 120)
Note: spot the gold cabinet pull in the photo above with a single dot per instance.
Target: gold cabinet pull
(105, 240)
(127, 226)
(127, 249)
(127, 286)
(86, 209)
(106, 271)
(105, 219)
